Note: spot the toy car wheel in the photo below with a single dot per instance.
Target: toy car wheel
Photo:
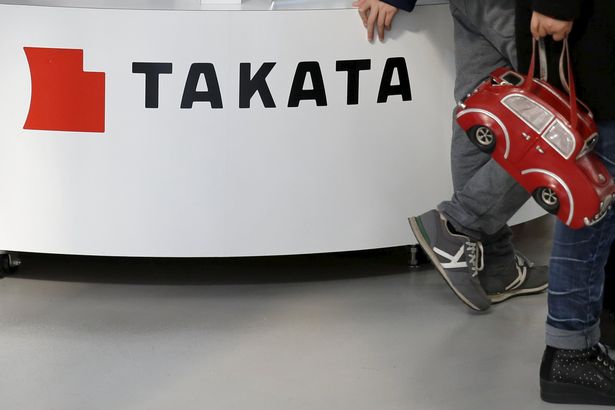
(483, 137)
(547, 199)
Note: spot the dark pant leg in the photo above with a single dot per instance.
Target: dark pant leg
(485, 195)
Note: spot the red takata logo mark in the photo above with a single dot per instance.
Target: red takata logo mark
(64, 97)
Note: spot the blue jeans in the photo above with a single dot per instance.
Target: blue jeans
(576, 269)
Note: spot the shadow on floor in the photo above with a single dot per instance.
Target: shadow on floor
(203, 271)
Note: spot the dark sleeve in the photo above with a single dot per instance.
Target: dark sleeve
(559, 9)
(407, 5)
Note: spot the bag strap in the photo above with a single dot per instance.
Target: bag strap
(568, 84)
(542, 59)
(530, 75)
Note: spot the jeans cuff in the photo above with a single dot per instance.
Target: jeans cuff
(573, 339)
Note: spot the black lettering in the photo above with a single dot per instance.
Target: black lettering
(152, 73)
(257, 84)
(386, 88)
(191, 95)
(353, 67)
(297, 93)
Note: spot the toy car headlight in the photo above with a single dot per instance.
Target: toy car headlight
(560, 138)
(533, 114)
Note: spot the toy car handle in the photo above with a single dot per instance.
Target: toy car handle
(567, 84)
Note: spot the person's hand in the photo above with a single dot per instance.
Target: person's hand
(543, 26)
(375, 14)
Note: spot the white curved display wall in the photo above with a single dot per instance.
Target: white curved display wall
(273, 130)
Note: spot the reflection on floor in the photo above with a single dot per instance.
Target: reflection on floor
(343, 331)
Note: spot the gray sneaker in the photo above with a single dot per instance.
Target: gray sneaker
(519, 278)
(455, 256)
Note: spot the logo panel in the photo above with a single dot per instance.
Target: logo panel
(64, 97)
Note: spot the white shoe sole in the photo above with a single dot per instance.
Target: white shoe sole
(501, 297)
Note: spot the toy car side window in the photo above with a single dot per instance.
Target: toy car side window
(532, 113)
(560, 138)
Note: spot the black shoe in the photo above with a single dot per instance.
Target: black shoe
(585, 376)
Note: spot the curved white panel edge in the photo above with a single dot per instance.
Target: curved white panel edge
(172, 181)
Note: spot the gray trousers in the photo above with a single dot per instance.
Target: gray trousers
(485, 196)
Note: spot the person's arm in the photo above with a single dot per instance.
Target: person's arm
(379, 15)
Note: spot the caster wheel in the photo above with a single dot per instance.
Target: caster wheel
(9, 263)
(417, 258)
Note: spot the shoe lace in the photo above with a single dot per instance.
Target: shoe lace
(474, 250)
(603, 356)
(522, 260)
(522, 264)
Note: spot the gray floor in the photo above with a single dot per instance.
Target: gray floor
(346, 331)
